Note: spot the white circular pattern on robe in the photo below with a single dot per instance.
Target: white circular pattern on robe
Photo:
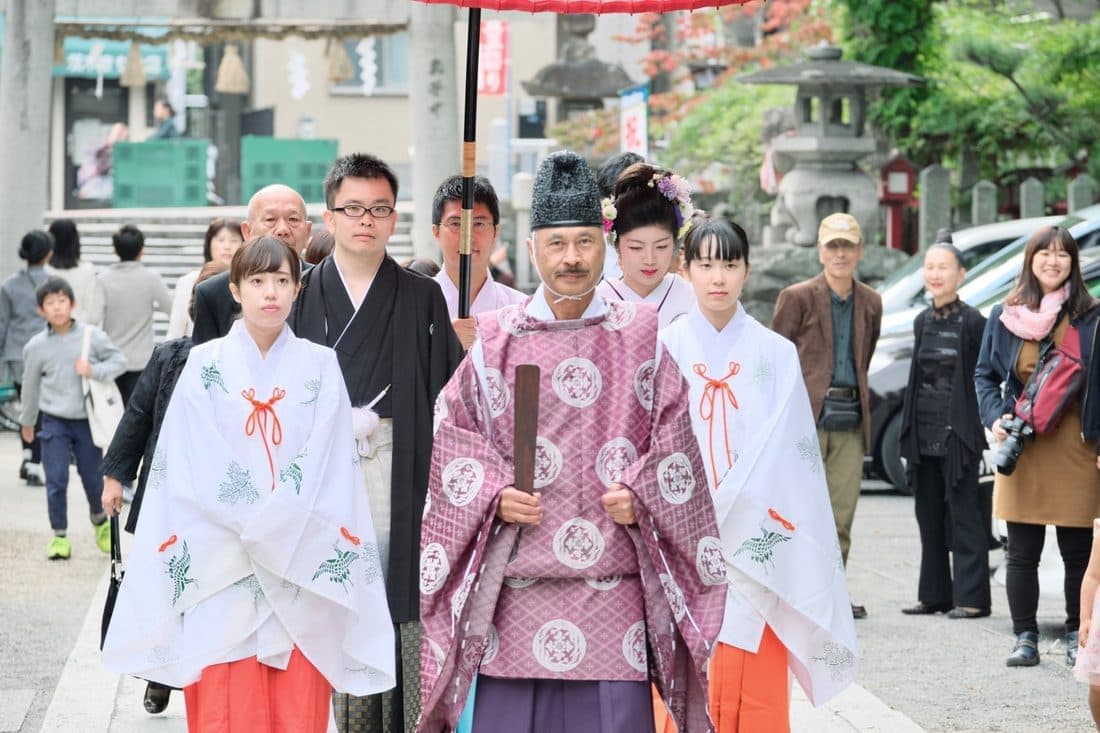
(578, 544)
(548, 463)
(517, 583)
(634, 646)
(462, 480)
(509, 319)
(710, 563)
(492, 645)
(458, 600)
(614, 458)
(499, 395)
(643, 382)
(434, 568)
(559, 646)
(604, 582)
(674, 595)
(577, 382)
(620, 313)
(675, 478)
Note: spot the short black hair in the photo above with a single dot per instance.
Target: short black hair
(166, 103)
(128, 242)
(612, 168)
(451, 190)
(51, 286)
(263, 254)
(357, 165)
(66, 244)
(730, 241)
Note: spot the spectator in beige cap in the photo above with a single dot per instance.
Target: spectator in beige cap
(834, 321)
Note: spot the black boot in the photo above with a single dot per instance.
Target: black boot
(156, 698)
(1026, 651)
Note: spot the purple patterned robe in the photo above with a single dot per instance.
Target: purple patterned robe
(584, 598)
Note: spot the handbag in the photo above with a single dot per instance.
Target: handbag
(116, 580)
(1058, 377)
(102, 401)
(840, 413)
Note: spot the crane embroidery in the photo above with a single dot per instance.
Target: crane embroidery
(313, 386)
(293, 473)
(338, 568)
(210, 374)
(178, 568)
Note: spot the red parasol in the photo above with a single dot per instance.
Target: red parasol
(473, 39)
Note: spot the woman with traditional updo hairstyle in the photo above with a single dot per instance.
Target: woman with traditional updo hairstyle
(643, 220)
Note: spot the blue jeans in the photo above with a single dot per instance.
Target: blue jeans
(61, 439)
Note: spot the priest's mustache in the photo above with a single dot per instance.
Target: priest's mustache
(571, 271)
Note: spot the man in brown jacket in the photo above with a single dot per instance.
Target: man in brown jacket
(834, 321)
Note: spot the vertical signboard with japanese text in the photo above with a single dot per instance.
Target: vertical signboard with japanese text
(492, 71)
(634, 120)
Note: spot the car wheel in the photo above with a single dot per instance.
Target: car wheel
(893, 465)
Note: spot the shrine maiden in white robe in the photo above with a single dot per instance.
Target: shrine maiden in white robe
(255, 533)
(756, 433)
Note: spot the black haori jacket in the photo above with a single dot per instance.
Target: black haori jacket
(401, 337)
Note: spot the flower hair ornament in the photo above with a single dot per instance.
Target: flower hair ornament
(673, 187)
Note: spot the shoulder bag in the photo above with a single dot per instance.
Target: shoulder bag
(102, 401)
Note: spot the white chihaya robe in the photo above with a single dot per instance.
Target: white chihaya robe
(673, 296)
(255, 533)
(756, 433)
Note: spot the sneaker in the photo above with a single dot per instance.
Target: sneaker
(61, 549)
(36, 476)
(103, 535)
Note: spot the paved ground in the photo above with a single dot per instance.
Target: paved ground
(917, 673)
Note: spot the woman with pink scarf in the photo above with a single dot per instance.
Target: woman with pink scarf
(1057, 475)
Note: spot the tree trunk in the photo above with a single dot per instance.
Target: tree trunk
(433, 99)
(25, 88)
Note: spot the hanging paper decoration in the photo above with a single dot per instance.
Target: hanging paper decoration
(95, 60)
(134, 74)
(368, 65)
(339, 65)
(298, 74)
(232, 77)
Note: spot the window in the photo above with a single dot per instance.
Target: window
(381, 64)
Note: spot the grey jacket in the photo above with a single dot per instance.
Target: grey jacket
(19, 319)
(50, 381)
(129, 293)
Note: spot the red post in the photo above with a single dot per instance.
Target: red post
(895, 192)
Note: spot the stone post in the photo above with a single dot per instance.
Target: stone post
(522, 183)
(935, 203)
(1081, 192)
(983, 203)
(1031, 199)
(433, 96)
(26, 91)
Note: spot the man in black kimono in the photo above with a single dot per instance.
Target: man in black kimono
(393, 337)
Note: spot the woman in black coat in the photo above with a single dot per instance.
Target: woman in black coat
(942, 439)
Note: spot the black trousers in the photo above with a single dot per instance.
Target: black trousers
(1025, 545)
(953, 522)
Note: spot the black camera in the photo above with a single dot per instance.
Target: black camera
(1008, 452)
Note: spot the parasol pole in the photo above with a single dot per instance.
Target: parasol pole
(469, 161)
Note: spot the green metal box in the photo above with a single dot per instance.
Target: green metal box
(159, 173)
(300, 164)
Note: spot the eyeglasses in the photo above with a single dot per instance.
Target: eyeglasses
(355, 211)
(455, 225)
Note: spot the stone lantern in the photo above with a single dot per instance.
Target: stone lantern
(828, 141)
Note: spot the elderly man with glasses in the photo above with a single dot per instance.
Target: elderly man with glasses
(396, 348)
(485, 293)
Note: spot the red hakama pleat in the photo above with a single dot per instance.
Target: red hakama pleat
(249, 697)
(748, 692)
